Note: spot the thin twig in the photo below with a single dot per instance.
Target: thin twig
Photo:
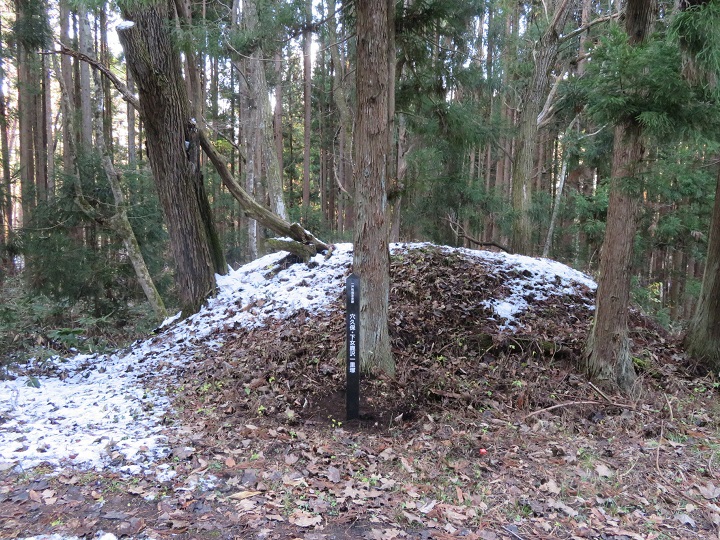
(623, 475)
(672, 417)
(602, 394)
(516, 535)
(657, 450)
(559, 405)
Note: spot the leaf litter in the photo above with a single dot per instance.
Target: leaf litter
(488, 431)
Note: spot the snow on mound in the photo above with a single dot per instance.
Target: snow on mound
(101, 411)
(529, 276)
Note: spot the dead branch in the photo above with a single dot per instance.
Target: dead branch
(459, 231)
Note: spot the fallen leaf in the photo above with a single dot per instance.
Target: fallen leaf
(131, 527)
(709, 491)
(551, 487)
(304, 519)
(412, 517)
(603, 470)
(179, 524)
(333, 474)
(291, 459)
(452, 515)
(427, 507)
(114, 515)
(245, 505)
(383, 534)
(244, 495)
(183, 452)
(293, 479)
(406, 465)
(684, 519)
(559, 505)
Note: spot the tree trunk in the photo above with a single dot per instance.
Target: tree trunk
(173, 147)
(6, 209)
(703, 337)
(307, 89)
(119, 221)
(544, 55)
(263, 116)
(607, 355)
(67, 76)
(86, 48)
(278, 115)
(27, 114)
(343, 176)
(131, 127)
(371, 256)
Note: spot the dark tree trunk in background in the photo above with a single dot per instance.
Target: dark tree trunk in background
(703, 338)
(307, 122)
(173, 148)
(372, 256)
(544, 54)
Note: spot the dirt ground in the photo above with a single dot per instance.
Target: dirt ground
(482, 434)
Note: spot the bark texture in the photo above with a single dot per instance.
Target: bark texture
(607, 357)
(372, 256)
(173, 148)
(703, 338)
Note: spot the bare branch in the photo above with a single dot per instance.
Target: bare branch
(459, 231)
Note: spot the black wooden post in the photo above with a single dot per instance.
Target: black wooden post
(352, 291)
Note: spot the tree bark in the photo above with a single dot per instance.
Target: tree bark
(307, 88)
(343, 174)
(85, 47)
(6, 209)
(371, 255)
(703, 337)
(173, 147)
(263, 117)
(607, 355)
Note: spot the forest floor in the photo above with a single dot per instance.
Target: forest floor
(486, 432)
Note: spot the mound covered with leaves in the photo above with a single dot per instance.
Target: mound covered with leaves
(488, 431)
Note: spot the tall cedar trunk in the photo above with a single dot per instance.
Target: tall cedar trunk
(307, 88)
(343, 175)
(27, 113)
(85, 45)
(67, 75)
(372, 255)
(132, 158)
(703, 338)
(173, 147)
(607, 355)
(262, 117)
(197, 100)
(278, 114)
(544, 54)
(6, 210)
